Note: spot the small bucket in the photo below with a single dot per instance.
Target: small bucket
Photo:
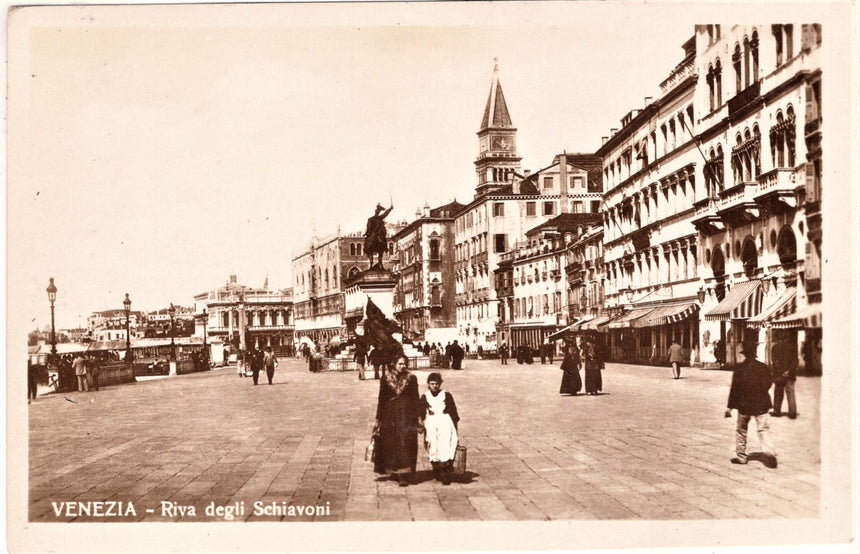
(459, 467)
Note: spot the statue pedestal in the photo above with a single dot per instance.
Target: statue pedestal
(374, 284)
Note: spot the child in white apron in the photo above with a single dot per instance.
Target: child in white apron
(440, 427)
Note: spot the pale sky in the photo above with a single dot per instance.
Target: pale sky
(156, 150)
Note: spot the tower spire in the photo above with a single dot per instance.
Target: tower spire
(497, 158)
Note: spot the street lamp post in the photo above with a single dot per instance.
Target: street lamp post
(52, 296)
(172, 312)
(205, 351)
(127, 305)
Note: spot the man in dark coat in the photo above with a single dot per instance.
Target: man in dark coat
(676, 357)
(457, 354)
(750, 396)
(503, 353)
(783, 356)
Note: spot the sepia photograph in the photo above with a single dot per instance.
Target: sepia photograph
(431, 276)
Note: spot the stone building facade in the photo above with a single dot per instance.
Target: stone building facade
(758, 106)
(245, 316)
(318, 275)
(651, 251)
(506, 205)
(424, 296)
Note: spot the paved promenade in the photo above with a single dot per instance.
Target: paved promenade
(650, 447)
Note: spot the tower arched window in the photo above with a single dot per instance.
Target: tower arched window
(746, 63)
(352, 249)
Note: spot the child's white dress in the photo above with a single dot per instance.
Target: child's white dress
(440, 433)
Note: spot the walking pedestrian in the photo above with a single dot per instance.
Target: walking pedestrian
(593, 366)
(360, 358)
(375, 360)
(93, 370)
(446, 356)
(504, 352)
(457, 354)
(550, 350)
(571, 382)
(256, 358)
(439, 418)
(676, 356)
(31, 380)
(543, 349)
(750, 396)
(80, 367)
(270, 362)
(784, 362)
(397, 421)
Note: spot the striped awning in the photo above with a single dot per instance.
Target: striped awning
(628, 318)
(742, 302)
(783, 306)
(596, 323)
(665, 315)
(809, 316)
(561, 332)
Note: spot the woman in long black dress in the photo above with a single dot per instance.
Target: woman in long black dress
(571, 382)
(593, 367)
(397, 425)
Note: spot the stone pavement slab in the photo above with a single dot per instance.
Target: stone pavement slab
(213, 447)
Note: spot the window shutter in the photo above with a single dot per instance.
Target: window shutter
(812, 189)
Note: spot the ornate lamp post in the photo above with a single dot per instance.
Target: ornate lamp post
(52, 296)
(700, 294)
(172, 312)
(629, 293)
(126, 304)
(205, 321)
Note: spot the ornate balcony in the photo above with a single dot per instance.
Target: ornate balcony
(737, 205)
(706, 219)
(778, 190)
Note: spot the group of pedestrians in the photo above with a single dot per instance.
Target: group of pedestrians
(260, 361)
(86, 373)
(576, 355)
(749, 395)
(451, 355)
(402, 414)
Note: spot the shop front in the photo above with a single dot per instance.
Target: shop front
(727, 322)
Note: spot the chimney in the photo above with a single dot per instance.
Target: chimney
(647, 100)
(603, 140)
(426, 209)
(232, 279)
(562, 165)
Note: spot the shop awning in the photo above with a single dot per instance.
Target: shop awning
(628, 318)
(596, 323)
(667, 314)
(809, 316)
(743, 301)
(560, 333)
(783, 306)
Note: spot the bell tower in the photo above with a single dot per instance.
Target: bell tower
(497, 141)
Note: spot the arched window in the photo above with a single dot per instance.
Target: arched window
(434, 249)
(718, 267)
(754, 46)
(358, 249)
(747, 54)
(352, 249)
(786, 246)
(755, 152)
(790, 134)
(736, 63)
(718, 79)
